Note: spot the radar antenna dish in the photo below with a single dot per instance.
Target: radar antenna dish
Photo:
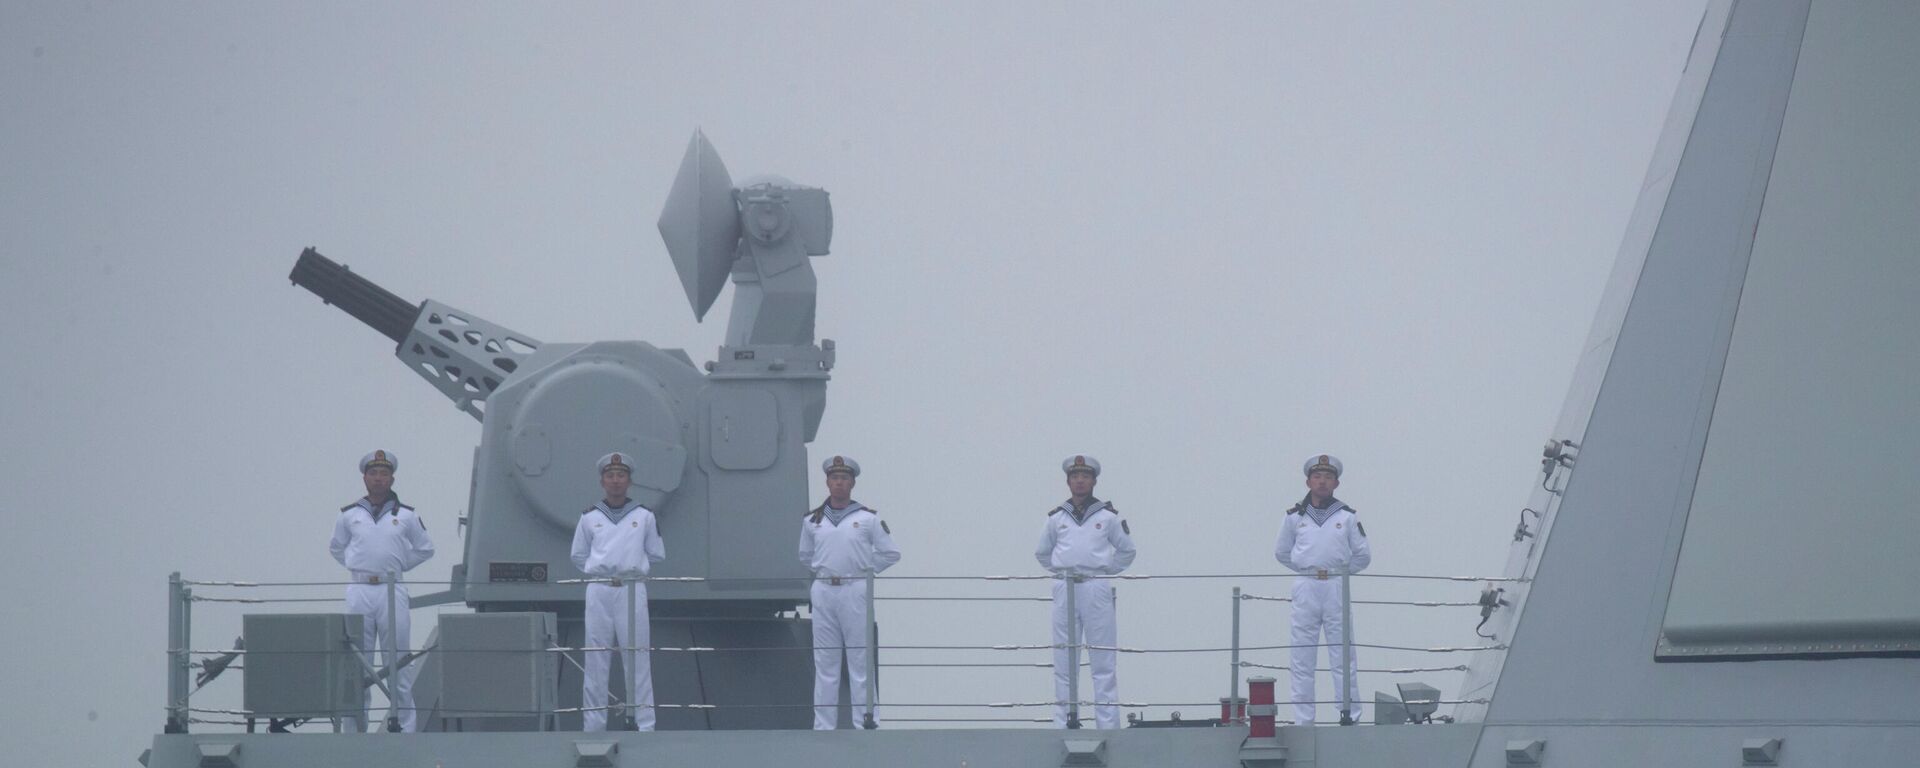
(701, 224)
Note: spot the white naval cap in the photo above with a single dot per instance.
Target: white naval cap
(1323, 461)
(379, 459)
(1080, 462)
(840, 464)
(616, 460)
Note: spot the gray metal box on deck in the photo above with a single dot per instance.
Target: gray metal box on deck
(302, 665)
(498, 665)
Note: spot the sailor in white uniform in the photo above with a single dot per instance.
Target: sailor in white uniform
(375, 538)
(619, 540)
(1085, 537)
(841, 542)
(1320, 539)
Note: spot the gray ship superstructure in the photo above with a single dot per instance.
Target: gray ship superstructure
(1716, 566)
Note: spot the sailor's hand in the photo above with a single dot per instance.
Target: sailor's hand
(615, 581)
(1320, 574)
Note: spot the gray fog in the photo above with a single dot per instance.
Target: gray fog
(1199, 243)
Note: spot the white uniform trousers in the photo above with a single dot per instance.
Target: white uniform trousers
(370, 602)
(839, 619)
(1093, 600)
(1317, 612)
(607, 627)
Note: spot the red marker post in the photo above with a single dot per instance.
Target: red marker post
(1233, 710)
(1260, 708)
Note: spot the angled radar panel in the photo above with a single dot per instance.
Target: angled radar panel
(701, 224)
(1799, 541)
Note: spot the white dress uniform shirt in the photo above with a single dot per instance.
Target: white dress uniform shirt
(611, 543)
(840, 546)
(1096, 543)
(1338, 545)
(374, 543)
(858, 543)
(1086, 542)
(1320, 544)
(621, 543)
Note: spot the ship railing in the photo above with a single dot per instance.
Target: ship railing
(184, 659)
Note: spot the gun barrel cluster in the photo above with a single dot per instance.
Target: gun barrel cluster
(369, 303)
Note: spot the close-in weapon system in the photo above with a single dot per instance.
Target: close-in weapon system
(719, 451)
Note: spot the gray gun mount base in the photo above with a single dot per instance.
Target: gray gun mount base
(781, 362)
(721, 460)
(780, 680)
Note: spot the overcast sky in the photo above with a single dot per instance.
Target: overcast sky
(1199, 243)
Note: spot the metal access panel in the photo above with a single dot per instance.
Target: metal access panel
(744, 428)
(497, 665)
(302, 665)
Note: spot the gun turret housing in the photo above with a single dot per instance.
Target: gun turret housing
(720, 453)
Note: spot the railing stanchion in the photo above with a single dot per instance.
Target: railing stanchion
(177, 657)
(873, 659)
(1232, 715)
(1345, 678)
(1072, 582)
(393, 651)
(632, 648)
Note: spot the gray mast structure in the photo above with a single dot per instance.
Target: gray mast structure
(719, 454)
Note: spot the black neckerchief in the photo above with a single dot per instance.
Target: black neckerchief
(1307, 508)
(392, 498)
(827, 508)
(1080, 513)
(606, 508)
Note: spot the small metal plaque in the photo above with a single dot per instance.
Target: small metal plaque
(521, 572)
(743, 354)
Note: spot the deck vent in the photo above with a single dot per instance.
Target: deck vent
(1760, 752)
(595, 754)
(1262, 752)
(1091, 752)
(219, 755)
(1525, 752)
